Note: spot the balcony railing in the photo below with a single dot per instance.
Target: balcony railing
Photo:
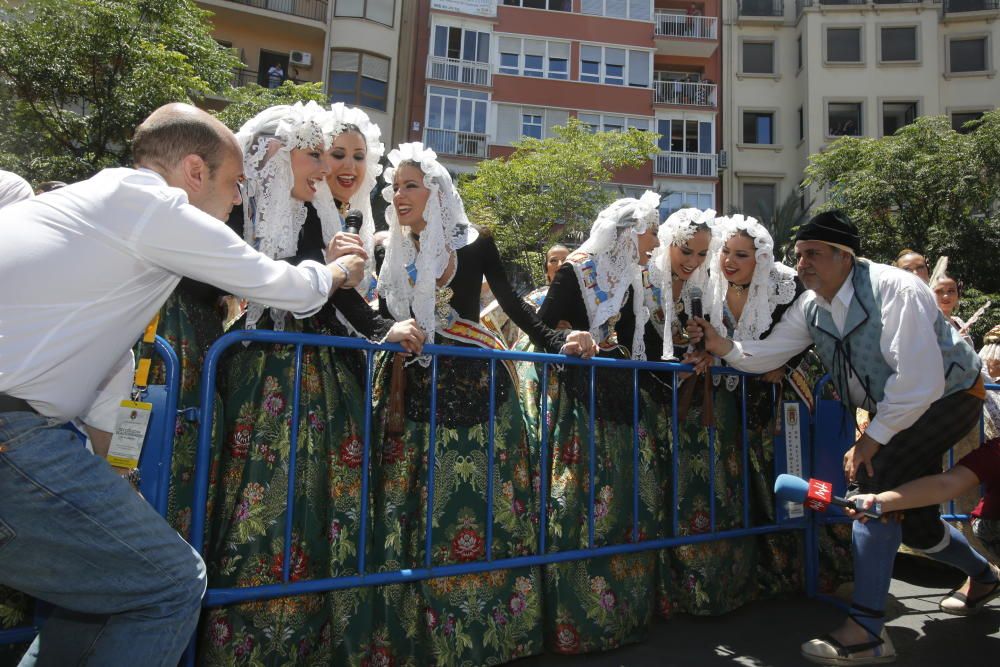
(687, 164)
(243, 77)
(771, 8)
(450, 142)
(682, 25)
(309, 9)
(459, 71)
(686, 93)
(956, 6)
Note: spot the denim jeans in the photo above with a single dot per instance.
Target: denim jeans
(127, 589)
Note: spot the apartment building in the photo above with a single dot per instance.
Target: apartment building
(487, 73)
(802, 73)
(354, 47)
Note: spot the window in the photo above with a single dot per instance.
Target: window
(802, 124)
(515, 122)
(685, 136)
(461, 110)
(843, 45)
(614, 66)
(638, 10)
(897, 114)
(461, 44)
(758, 127)
(960, 118)
(359, 78)
(380, 11)
(596, 122)
(758, 57)
(844, 119)
(899, 45)
(534, 57)
(553, 5)
(967, 55)
(675, 201)
(759, 200)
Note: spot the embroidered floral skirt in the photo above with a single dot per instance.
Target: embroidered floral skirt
(604, 602)
(247, 518)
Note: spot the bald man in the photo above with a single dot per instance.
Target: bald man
(82, 271)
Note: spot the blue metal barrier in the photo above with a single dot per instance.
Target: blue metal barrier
(154, 464)
(216, 597)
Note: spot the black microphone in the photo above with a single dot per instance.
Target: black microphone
(353, 221)
(695, 293)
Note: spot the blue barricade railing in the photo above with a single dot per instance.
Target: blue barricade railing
(154, 465)
(215, 597)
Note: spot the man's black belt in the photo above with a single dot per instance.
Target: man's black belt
(12, 404)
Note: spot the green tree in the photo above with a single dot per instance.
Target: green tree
(77, 77)
(247, 101)
(547, 190)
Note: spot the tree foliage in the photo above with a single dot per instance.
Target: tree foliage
(249, 100)
(547, 189)
(77, 77)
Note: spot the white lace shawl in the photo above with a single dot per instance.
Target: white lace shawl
(272, 219)
(771, 285)
(448, 229)
(677, 230)
(334, 121)
(614, 247)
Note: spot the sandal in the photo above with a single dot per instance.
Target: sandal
(962, 605)
(826, 650)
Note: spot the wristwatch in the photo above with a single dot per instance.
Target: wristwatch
(132, 477)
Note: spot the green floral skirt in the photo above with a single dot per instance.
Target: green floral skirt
(477, 619)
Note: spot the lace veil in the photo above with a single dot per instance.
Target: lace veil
(447, 229)
(333, 123)
(677, 230)
(614, 247)
(272, 219)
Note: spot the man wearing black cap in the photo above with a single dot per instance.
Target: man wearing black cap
(888, 350)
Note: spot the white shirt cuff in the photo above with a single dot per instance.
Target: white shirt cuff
(879, 433)
(734, 354)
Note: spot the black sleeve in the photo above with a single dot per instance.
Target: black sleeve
(564, 302)
(517, 309)
(361, 316)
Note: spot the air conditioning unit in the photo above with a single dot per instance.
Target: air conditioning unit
(300, 59)
(723, 160)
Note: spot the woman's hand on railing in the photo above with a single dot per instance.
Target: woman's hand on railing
(408, 334)
(579, 344)
(345, 244)
(774, 377)
(700, 359)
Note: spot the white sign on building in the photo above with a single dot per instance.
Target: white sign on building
(474, 7)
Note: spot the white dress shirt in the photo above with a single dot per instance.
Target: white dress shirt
(908, 344)
(84, 269)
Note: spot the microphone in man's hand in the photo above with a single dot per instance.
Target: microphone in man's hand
(353, 220)
(696, 311)
(817, 495)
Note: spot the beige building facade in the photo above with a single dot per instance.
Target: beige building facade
(802, 73)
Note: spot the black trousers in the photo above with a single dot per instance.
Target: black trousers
(916, 452)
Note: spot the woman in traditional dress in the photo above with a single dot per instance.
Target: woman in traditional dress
(434, 266)
(285, 163)
(601, 603)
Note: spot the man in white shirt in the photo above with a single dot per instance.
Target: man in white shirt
(82, 271)
(13, 189)
(888, 350)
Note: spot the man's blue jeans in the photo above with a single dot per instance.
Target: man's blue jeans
(127, 589)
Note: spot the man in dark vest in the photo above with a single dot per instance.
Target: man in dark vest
(888, 350)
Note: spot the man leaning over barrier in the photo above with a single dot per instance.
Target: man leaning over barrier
(888, 350)
(82, 270)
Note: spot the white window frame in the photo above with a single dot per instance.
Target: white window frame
(364, 13)
(461, 93)
(465, 28)
(688, 198)
(626, 67)
(520, 111)
(590, 8)
(627, 122)
(684, 118)
(546, 72)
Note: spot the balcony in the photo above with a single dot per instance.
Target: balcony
(243, 77)
(450, 142)
(762, 9)
(307, 9)
(959, 6)
(687, 164)
(458, 71)
(683, 35)
(685, 93)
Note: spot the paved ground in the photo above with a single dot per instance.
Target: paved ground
(768, 634)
